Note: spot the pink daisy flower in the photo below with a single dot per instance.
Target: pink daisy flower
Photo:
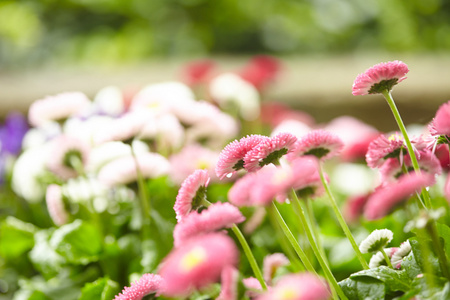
(271, 183)
(229, 280)
(261, 70)
(191, 193)
(68, 154)
(354, 207)
(383, 148)
(122, 171)
(55, 205)
(387, 197)
(306, 178)
(197, 264)
(269, 151)
(239, 193)
(57, 108)
(320, 143)
(441, 122)
(231, 159)
(217, 216)
(192, 157)
(273, 113)
(253, 286)
(302, 286)
(379, 78)
(271, 264)
(147, 284)
(198, 72)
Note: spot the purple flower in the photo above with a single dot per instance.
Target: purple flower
(12, 133)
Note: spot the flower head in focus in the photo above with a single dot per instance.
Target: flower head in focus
(320, 143)
(376, 241)
(380, 78)
(383, 148)
(146, 285)
(400, 254)
(440, 125)
(378, 258)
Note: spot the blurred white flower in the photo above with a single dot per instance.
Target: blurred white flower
(40, 135)
(294, 127)
(165, 130)
(109, 100)
(85, 129)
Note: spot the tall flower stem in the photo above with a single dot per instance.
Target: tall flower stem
(387, 95)
(317, 252)
(314, 225)
(386, 258)
(251, 259)
(341, 220)
(432, 230)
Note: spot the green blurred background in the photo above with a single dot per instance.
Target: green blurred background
(36, 32)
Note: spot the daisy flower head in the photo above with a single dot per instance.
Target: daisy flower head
(231, 159)
(239, 193)
(269, 151)
(68, 156)
(146, 285)
(271, 264)
(388, 196)
(306, 177)
(197, 264)
(354, 207)
(398, 256)
(218, 216)
(229, 280)
(55, 205)
(303, 286)
(379, 78)
(320, 143)
(378, 258)
(440, 125)
(271, 182)
(383, 148)
(57, 108)
(253, 286)
(191, 193)
(376, 241)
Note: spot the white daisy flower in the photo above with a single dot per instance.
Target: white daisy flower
(376, 240)
(378, 258)
(403, 251)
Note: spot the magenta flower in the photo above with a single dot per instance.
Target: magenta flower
(147, 284)
(354, 207)
(387, 197)
(379, 78)
(272, 263)
(304, 286)
(269, 151)
(320, 143)
(383, 148)
(55, 205)
(57, 108)
(441, 122)
(229, 280)
(197, 264)
(231, 159)
(218, 216)
(191, 193)
(68, 156)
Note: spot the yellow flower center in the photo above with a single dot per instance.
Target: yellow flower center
(203, 164)
(192, 259)
(287, 293)
(280, 176)
(394, 137)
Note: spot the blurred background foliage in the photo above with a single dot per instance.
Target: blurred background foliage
(109, 32)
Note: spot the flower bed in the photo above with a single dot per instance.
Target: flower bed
(159, 194)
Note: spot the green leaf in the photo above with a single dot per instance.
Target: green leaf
(419, 255)
(444, 233)
(362, 288)
(101, 289)
(30, 295)
(411, 267)
(79, 242)
(43, 256)
(16, 237)
(393, 280)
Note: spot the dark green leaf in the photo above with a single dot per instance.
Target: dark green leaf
(393, 280)
(410, 266)
(362, 288)
(420, 257)
(16, 237)
(444, 233)
(79, 242)
(101, 289)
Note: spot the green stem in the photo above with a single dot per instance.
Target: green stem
(386, 258)
(273, 210)
(250, 257)
(387, 95)
(314, 225)
(317, 253)
(342, 221)
(432, 230)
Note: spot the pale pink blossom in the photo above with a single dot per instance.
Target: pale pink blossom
(390, 195)
(191, 193)
(306, 177)
(294, 127)
(198, 72)
(441, 122)
(383, 148)
(269, 151)
(253, 286)
(229, 280)
(379, 78)
(217, 216)
(197, 264)
(320, 143)
(273, 113)
(68, 156)
(272, 263)
(271, 183)
(231, 159)
(55, 205)
(302, 286)
(123, 171)
(192, 157)
(354, 207)
(57, 108)
(239, 193)
(147, 284)
(447, 188)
